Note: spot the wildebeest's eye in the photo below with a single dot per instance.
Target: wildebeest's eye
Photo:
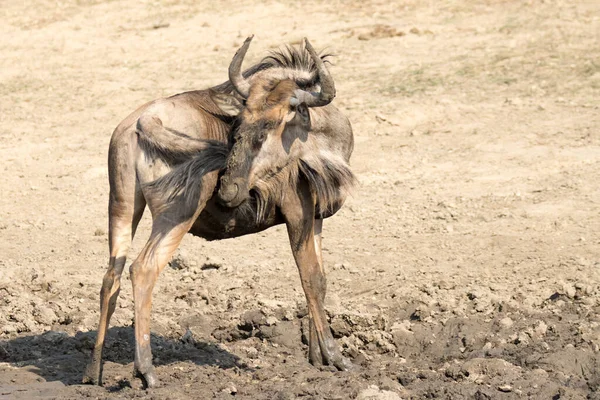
(261, 136)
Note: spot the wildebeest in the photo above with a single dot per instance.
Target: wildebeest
(264, 148)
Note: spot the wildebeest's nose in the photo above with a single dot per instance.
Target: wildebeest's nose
(229, 191)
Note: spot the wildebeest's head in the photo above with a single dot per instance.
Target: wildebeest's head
(273, 123)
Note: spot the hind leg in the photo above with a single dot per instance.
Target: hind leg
(167, 233)
(124, 216)
(172, 219)
(164, 240)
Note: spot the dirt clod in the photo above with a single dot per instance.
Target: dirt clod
(374, 393)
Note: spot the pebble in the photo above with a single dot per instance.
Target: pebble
(545, 346)
(506, 322)
(522, 338)
(541, 328)
(252, 352)
(44, 315)
(505, 388)
(230, 388)
(374, 393)
(9, 328)
(569, 290)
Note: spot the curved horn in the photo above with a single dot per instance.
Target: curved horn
(240, 84)
(327, 93)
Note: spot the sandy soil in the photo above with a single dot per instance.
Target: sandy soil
(465, 266)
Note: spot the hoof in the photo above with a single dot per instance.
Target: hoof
(333, 356)
(314, 356)
(343, 364)
(90, 380)
(149, 379)
(92, 376)
(336, 360)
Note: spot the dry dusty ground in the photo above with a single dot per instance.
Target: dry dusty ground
(465, 266)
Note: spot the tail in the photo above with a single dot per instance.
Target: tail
(168, 144)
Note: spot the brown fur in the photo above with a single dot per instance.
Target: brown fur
(168, 156)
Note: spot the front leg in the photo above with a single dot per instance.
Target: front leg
(299, 213)
(314, 352)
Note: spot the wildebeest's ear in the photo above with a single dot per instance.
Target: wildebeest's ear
(299, 116)
(302, 113)
(228, 103)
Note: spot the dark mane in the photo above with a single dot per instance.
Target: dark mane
(295, 58)
(288, 57)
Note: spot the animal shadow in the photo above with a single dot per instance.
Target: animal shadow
(57, 356)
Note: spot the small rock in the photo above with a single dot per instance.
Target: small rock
(420, 313)
(29, 324)
(505, 388)
(340, 327)
(9, 328)
(540, 328)
(44, 315)
(285, 395)
(522, 338)
(569, 290)
(403, 326)
(252, 320)
(230, 388)
(288, 315)
(284, 334)
(506, 322)
(374, 393)
(252, 352)
(270, 303)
